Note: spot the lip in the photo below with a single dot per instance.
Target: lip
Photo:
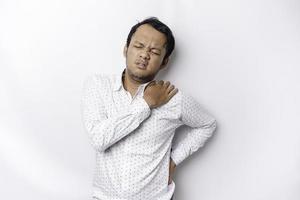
(141, 64)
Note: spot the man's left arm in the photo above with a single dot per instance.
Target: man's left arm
(200, 126)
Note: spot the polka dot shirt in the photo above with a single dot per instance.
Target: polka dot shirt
(133, 143)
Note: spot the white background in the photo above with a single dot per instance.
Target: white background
(239, 59)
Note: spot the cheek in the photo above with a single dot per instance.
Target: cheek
(157, 60)
(131, 55)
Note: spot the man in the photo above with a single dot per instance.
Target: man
(131, 120)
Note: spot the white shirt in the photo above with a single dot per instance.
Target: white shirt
(133, 142)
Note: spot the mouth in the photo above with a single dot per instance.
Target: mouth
(141, 64)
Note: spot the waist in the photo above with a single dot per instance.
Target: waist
(167, 194)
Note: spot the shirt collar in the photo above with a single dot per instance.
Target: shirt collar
(118, 82)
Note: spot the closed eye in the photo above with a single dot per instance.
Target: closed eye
(155, 52)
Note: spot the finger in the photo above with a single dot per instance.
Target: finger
(170, 88)
(167, 83)
(161, 82)
(172, 93)
(151, 83)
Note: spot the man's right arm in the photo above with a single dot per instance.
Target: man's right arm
(105, 131)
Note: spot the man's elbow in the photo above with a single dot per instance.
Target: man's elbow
(99, 147)
(212, 127)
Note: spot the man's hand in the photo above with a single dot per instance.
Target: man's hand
(159, 93)
(172, 168)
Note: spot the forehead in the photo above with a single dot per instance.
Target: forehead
(146, 33)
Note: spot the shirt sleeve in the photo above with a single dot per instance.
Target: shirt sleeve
(105, 131)
(200, 126)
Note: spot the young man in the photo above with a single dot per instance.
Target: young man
(131, 120)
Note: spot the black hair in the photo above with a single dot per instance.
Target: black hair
(159, 26)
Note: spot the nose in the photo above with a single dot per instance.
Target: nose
(145, 54)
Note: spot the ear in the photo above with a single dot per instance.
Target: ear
(125, 51)
(164, 63)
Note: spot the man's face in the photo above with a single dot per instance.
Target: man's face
(145, 53)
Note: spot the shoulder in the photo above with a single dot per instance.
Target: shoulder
(175, 101)
(97, 77)
(98, 80)
(178, 96)
(182, 97)
(186, 98)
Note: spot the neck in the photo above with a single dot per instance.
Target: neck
(129, 83)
